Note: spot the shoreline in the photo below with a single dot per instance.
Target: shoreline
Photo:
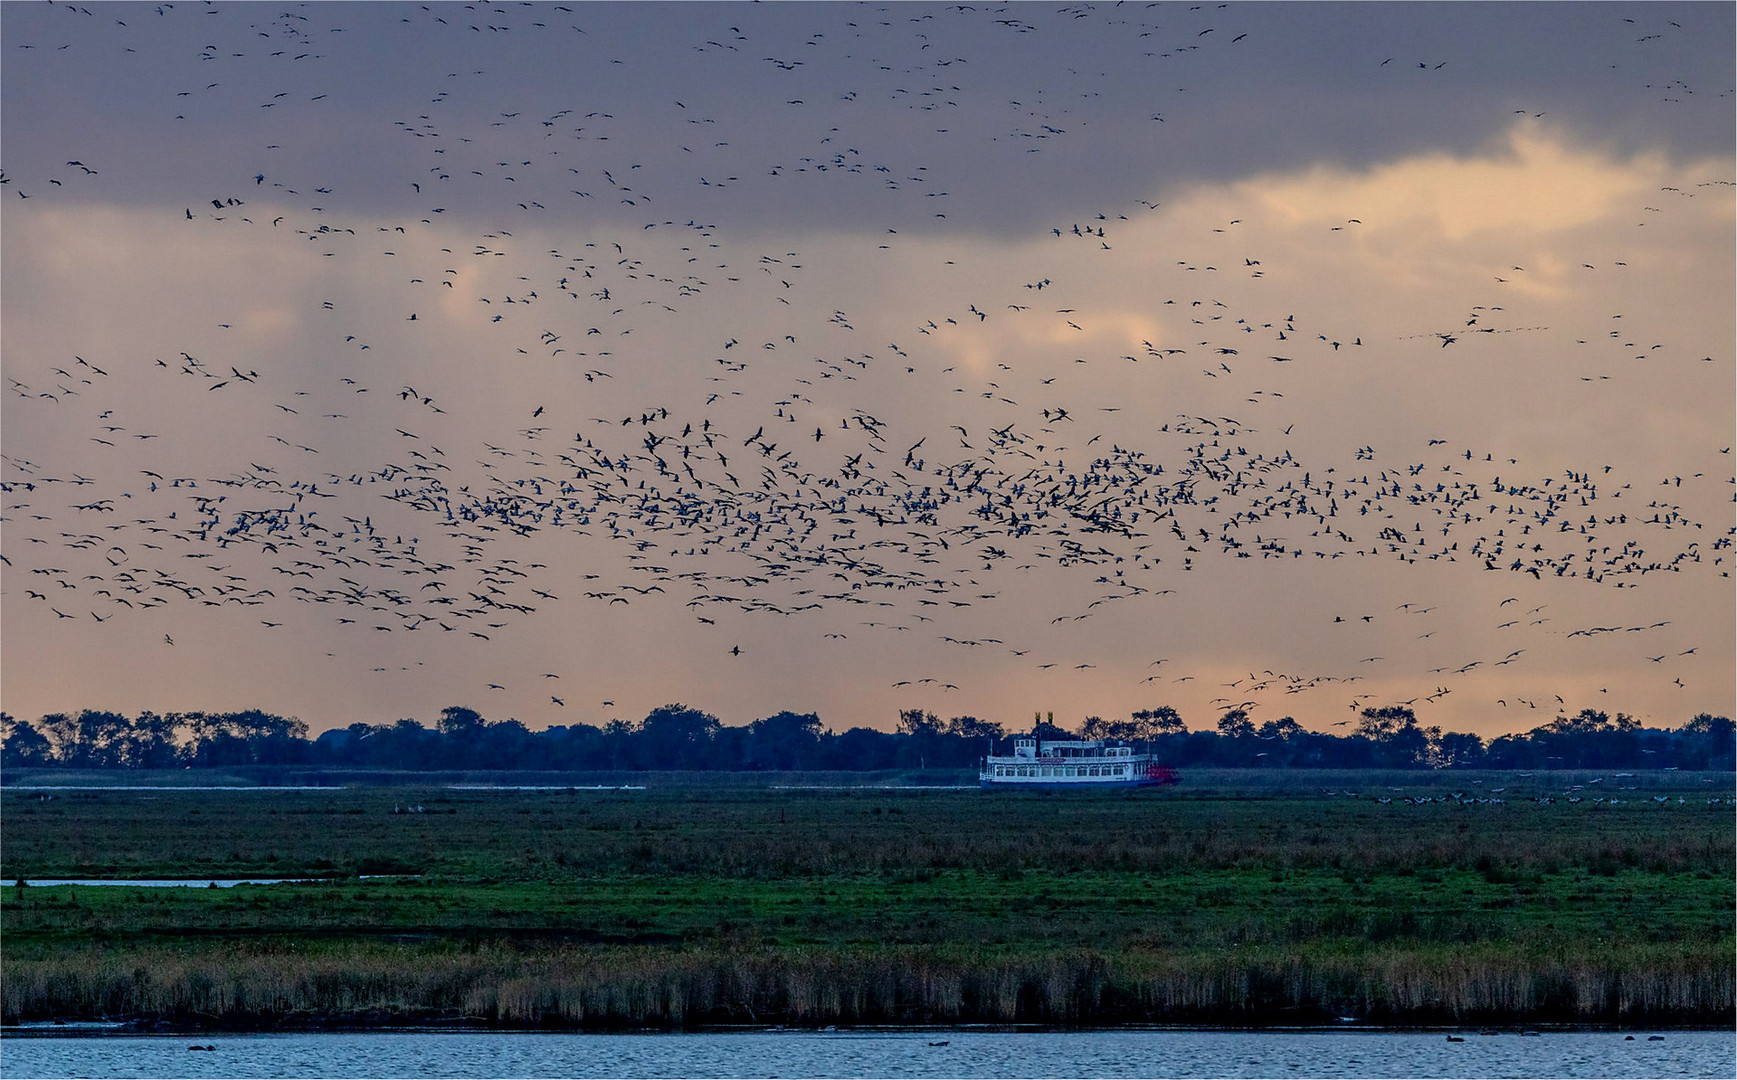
(285, 984)
(73, 1029)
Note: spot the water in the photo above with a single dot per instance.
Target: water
(250, 788)
(200, 883)
(879, 1053)
(174, 787)
(165, 883)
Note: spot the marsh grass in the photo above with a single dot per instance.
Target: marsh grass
(729, 904)
(637, 987)
(748, 832)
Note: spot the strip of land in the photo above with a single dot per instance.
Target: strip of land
(1231, 900)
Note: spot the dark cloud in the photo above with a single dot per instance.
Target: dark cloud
(785, 355)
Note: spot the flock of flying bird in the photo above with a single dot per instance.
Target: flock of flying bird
(791, 468)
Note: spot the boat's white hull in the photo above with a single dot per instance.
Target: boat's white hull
(1071, 783)
(1017, 773)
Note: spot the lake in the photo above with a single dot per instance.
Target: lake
(973, 1053)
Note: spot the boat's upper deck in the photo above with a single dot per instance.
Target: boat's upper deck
(1028, 748)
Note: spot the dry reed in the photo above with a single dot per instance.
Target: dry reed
(611, 987)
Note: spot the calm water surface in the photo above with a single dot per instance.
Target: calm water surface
(172, 787)
(879, 1054)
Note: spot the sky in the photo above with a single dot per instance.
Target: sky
(565, 361)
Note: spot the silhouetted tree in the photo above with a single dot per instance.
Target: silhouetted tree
(406, 745)
(248, 737)
(1461, 751)
(1711, 742)
(919, 724)
(505, 745)
(1381, 723)
(1587, 721)
(1512, 752)
(1589, 739)
(1284, 728)
(1162, 720)
(677, 737)
(574, 747)
(152, 741)
(93, 739)
(862, 749)
(1235, 724)
(22, 746)
(1400, 743)
(271, 740)
(969, 727)
(459, 720)
(784, 740)
(618, 743)
(341, 746)
(921, 746)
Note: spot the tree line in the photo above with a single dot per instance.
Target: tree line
(678, 737)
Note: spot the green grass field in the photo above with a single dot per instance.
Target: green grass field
(1237, 899)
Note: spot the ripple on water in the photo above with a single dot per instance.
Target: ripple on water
(988, 1054)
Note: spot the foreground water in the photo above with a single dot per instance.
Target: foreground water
(879, 1054)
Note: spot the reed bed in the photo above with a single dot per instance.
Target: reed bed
(600, 988)
(728, 905)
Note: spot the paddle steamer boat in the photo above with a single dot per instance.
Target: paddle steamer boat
(1072, 763)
